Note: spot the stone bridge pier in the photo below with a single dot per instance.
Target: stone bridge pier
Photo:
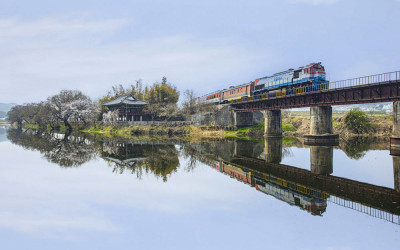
(321, 127)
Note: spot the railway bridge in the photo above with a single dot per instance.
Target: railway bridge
(368, 89)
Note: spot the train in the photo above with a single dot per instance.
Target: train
(311, 77)
(308, 199)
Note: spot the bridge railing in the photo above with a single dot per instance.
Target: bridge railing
(375, 212)
(365, 80)
(354, 82)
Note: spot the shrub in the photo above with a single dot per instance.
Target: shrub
(357, 122)
(287, 127)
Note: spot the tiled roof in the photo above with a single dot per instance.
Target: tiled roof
(125, 99)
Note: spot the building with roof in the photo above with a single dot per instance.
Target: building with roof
(129, 108)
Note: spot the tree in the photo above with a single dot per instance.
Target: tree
(16, 115)
(72, 105)
(162, 93)
(189, 105)
(357, 122)
(162, 98)
(110, 117)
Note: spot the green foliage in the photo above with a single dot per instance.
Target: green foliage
(158, 93)
(287, 127)
(336, 124)
(163, 93)
(357, 122)
(356, 147)
(136, 90)
(259, 126)
(287, 140)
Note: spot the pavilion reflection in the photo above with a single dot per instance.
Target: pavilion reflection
(140, 157)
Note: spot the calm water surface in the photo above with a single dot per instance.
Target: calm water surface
(79, 192)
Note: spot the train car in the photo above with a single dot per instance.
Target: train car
(237, 173)
(286, 82)
(237, 93)
(211, 98)
(314, 206)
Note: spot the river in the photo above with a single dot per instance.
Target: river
(85, 192)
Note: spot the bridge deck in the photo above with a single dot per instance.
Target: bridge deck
(370, 89)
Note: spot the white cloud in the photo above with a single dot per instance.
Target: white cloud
(61, 26)
(53, 54)
(314, 2)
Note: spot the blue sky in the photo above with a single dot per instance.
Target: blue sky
(46, 46)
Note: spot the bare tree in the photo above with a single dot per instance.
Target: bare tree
(189, 105)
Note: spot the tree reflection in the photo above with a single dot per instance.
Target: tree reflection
(357, 146)
(63, 149)
(145, 157)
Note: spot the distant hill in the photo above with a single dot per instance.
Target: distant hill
(4, 108)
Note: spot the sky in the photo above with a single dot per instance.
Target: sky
(47, 46)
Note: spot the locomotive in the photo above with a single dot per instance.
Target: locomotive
(311, 77)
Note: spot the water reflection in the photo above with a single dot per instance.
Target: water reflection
(256, 163)
(321, 158)
(273, 150)
(62, 149)
(308, 189)
(161, 159)
(3, 133)
(396, 172)
(357, 146)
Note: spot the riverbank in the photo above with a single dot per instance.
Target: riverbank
(148, 130)
(378, 125)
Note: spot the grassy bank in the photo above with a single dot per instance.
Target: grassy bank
(182, 131)
(360, 124)
(378, 125)
(353, 123)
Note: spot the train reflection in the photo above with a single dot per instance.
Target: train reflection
(310, 200)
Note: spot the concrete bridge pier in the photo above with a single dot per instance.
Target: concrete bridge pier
(396, 172)
(273, 149)
(273, 123)
(395, 138)
(396, 119)
(321, 127)
(321, 158)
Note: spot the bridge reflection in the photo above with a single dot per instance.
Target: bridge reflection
(311, 190)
